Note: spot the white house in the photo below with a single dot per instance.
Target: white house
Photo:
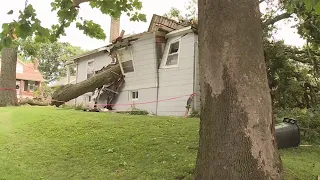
(161, 68)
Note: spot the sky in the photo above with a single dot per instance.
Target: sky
(150, 7)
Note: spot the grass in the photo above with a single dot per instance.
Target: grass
(49, 143)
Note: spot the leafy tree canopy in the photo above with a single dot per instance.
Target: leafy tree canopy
(52, 57)
(29, 25)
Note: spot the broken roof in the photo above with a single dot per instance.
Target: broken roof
(158, 23)
(161, 23)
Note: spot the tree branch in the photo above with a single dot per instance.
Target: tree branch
(261, 1)
(276, 19)
(76, 3)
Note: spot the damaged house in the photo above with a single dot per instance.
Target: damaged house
(160, 66)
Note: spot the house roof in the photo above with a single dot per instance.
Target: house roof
(64, 81)
(29, 72)
(164, 24)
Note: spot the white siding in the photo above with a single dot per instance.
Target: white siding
(177, 81)
(145, 100)
(144, 60)
(143, 79)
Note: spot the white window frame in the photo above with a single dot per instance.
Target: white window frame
(131, 59)
(131, 95)
(92, 60)
(168, 50)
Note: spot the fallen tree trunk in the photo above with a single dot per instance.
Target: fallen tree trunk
(65, 93)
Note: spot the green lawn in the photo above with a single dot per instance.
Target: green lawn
(50, 143)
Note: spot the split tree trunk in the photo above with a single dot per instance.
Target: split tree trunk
(71, 91)
(8, 94)
(236, 129)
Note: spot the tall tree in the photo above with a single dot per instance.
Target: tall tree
(52, 57)
(236, 128)
(28, 25)
(8, 95)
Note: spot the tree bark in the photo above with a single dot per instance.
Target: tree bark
(71, 91)
(237, 139)
(8, 94)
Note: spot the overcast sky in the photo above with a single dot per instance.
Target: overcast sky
(150, 7)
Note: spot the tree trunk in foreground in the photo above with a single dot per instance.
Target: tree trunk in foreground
(8, 94)
(71, 91)
(236, 130)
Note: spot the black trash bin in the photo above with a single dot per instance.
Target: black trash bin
(287, 134)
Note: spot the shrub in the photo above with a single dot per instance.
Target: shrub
(195, 114)
(78, 107)
(308, 121)
(138, 112)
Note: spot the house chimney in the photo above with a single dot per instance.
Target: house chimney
(35, 64)
(114, 29)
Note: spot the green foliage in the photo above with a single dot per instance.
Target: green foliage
(192, 12)
(195, 114)
(52, 57)
(138, 112)
(78, 107)
(293, 75)
(28, 25)
(308, 121)
(91, 29)
(308, 13)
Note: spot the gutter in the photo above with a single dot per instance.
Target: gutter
(180, 32)
(195, 44)
(77, 70)
(157, 69)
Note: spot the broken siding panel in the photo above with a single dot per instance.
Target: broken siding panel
(177, 81)
(143, 51)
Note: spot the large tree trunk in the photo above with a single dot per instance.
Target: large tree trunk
(71, 91)
(8, 94)
(236, 130)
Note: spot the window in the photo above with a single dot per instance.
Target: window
(29, 85)
(134, 95)
(173, 54)
(90, 69)
(127, 66)
(126, 61)
(25, 86)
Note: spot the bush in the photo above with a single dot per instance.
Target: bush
(195, 114)
(138, 112)
(308, 122)
(78, 107)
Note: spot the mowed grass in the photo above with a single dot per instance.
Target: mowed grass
(51, 143)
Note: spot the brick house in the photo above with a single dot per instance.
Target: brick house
(28, 78)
